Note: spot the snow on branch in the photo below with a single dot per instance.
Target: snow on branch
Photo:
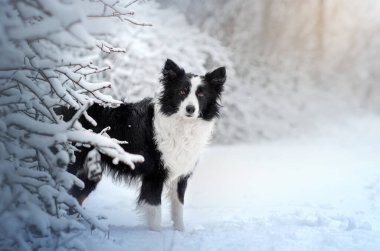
(47, 54)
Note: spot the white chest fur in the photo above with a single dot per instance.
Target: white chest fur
(180, 141)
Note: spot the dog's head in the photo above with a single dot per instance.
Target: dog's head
(191, 96)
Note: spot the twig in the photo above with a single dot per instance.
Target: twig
(77, 115)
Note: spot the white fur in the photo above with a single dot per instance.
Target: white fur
(191, 98)
(176, 207)
(152, 216)
(180, 140)
(92, 165)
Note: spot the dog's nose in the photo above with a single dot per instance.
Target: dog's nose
(190, 109)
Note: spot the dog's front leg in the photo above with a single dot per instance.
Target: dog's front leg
(150, 201)
(177, 196)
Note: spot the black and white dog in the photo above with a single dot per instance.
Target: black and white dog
(169, 131)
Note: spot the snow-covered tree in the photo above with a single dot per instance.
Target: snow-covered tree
(47, 52)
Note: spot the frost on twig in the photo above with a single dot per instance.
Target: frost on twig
(111, 9)
(47, 56)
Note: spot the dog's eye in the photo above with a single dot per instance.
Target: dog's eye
(182, 92)
(200, 94)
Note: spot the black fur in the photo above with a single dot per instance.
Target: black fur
(131, 122)
(181, 188)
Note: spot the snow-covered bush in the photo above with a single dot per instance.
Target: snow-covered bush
(46, 60)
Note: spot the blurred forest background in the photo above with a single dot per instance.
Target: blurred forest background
(292, 64)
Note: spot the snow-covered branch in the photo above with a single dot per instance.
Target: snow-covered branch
(112, 9)
(47, 55)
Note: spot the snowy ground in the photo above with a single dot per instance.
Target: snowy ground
(316, 192)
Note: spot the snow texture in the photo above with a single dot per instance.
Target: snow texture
(315, 192)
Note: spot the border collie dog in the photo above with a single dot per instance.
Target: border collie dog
(169, 131)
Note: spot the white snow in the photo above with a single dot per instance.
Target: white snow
(313, 192)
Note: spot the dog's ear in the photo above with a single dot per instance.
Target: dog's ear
(216, 78)
(171, 70)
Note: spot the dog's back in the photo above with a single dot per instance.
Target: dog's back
(130, 122)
